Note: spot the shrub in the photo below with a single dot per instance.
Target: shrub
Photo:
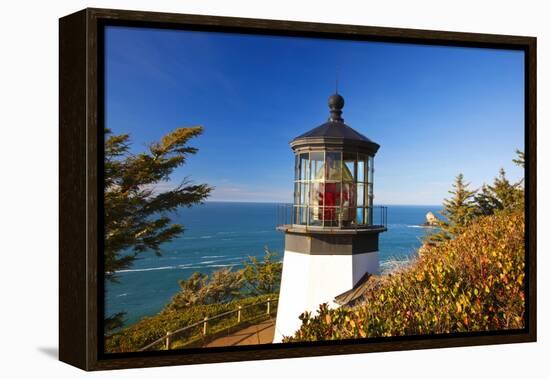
(258, 277)
(150, 329)
(474, 282)
(264, 276)
(223, 285)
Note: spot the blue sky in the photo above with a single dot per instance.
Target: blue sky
(435, 111)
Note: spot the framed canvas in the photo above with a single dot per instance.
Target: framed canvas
(215, 206)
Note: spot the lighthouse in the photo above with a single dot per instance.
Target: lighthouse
(331, 236)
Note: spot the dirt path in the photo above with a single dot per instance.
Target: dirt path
(253, 335)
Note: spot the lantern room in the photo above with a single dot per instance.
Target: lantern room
(334, 169)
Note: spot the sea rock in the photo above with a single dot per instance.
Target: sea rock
(431, 220)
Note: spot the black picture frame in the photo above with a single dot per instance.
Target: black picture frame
(80, 197)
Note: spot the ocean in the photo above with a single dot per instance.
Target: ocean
(223, 234)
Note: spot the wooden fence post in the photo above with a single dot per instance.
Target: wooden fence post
(268, 305)
(204, 326)
(168, 340)
(239, 314)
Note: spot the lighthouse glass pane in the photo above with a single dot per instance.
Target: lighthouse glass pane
(333, 163)
(317, 165)
(329, 216)
(296, 193)
(332, 195)
(317, 194)
(370, 195)
(301, 215)
(315, 216)
(359, 216)
(360, 195)
(348, 216)
(349, 168)
(361, 168)
(349, 195)
(304, 193)
(304, 166)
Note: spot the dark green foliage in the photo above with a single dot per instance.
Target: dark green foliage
(114, 322)
(500, 196)
(486, 203)
(256, 278)
(466, 204)
(199, 289)
(458, 210)
(193, 290)
(134, 210)
(263, 277)
(520, 160)
(225, 285)
(151, 328)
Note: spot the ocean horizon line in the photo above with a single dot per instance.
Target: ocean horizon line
(283, 202)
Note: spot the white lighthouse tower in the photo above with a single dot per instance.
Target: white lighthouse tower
(331, 240)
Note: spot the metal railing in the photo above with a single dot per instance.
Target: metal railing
(290, 215)
(170, 336)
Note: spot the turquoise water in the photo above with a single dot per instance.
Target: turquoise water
(222, 234)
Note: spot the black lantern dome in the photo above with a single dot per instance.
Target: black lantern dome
(335, 132)
(334, 169)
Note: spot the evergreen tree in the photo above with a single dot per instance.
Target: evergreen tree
(506, 193)
(135, 212)
(458, 211)
(465, 204)
(520, 160)
(486, 202)
(500, 196)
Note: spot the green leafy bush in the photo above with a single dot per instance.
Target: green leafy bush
(261, 277)
(474, 282)
(258, 277)
(150, 329)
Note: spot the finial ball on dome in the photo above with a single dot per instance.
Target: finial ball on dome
(336, 101)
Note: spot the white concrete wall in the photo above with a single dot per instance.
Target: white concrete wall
(310, 280)
(363, 263)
